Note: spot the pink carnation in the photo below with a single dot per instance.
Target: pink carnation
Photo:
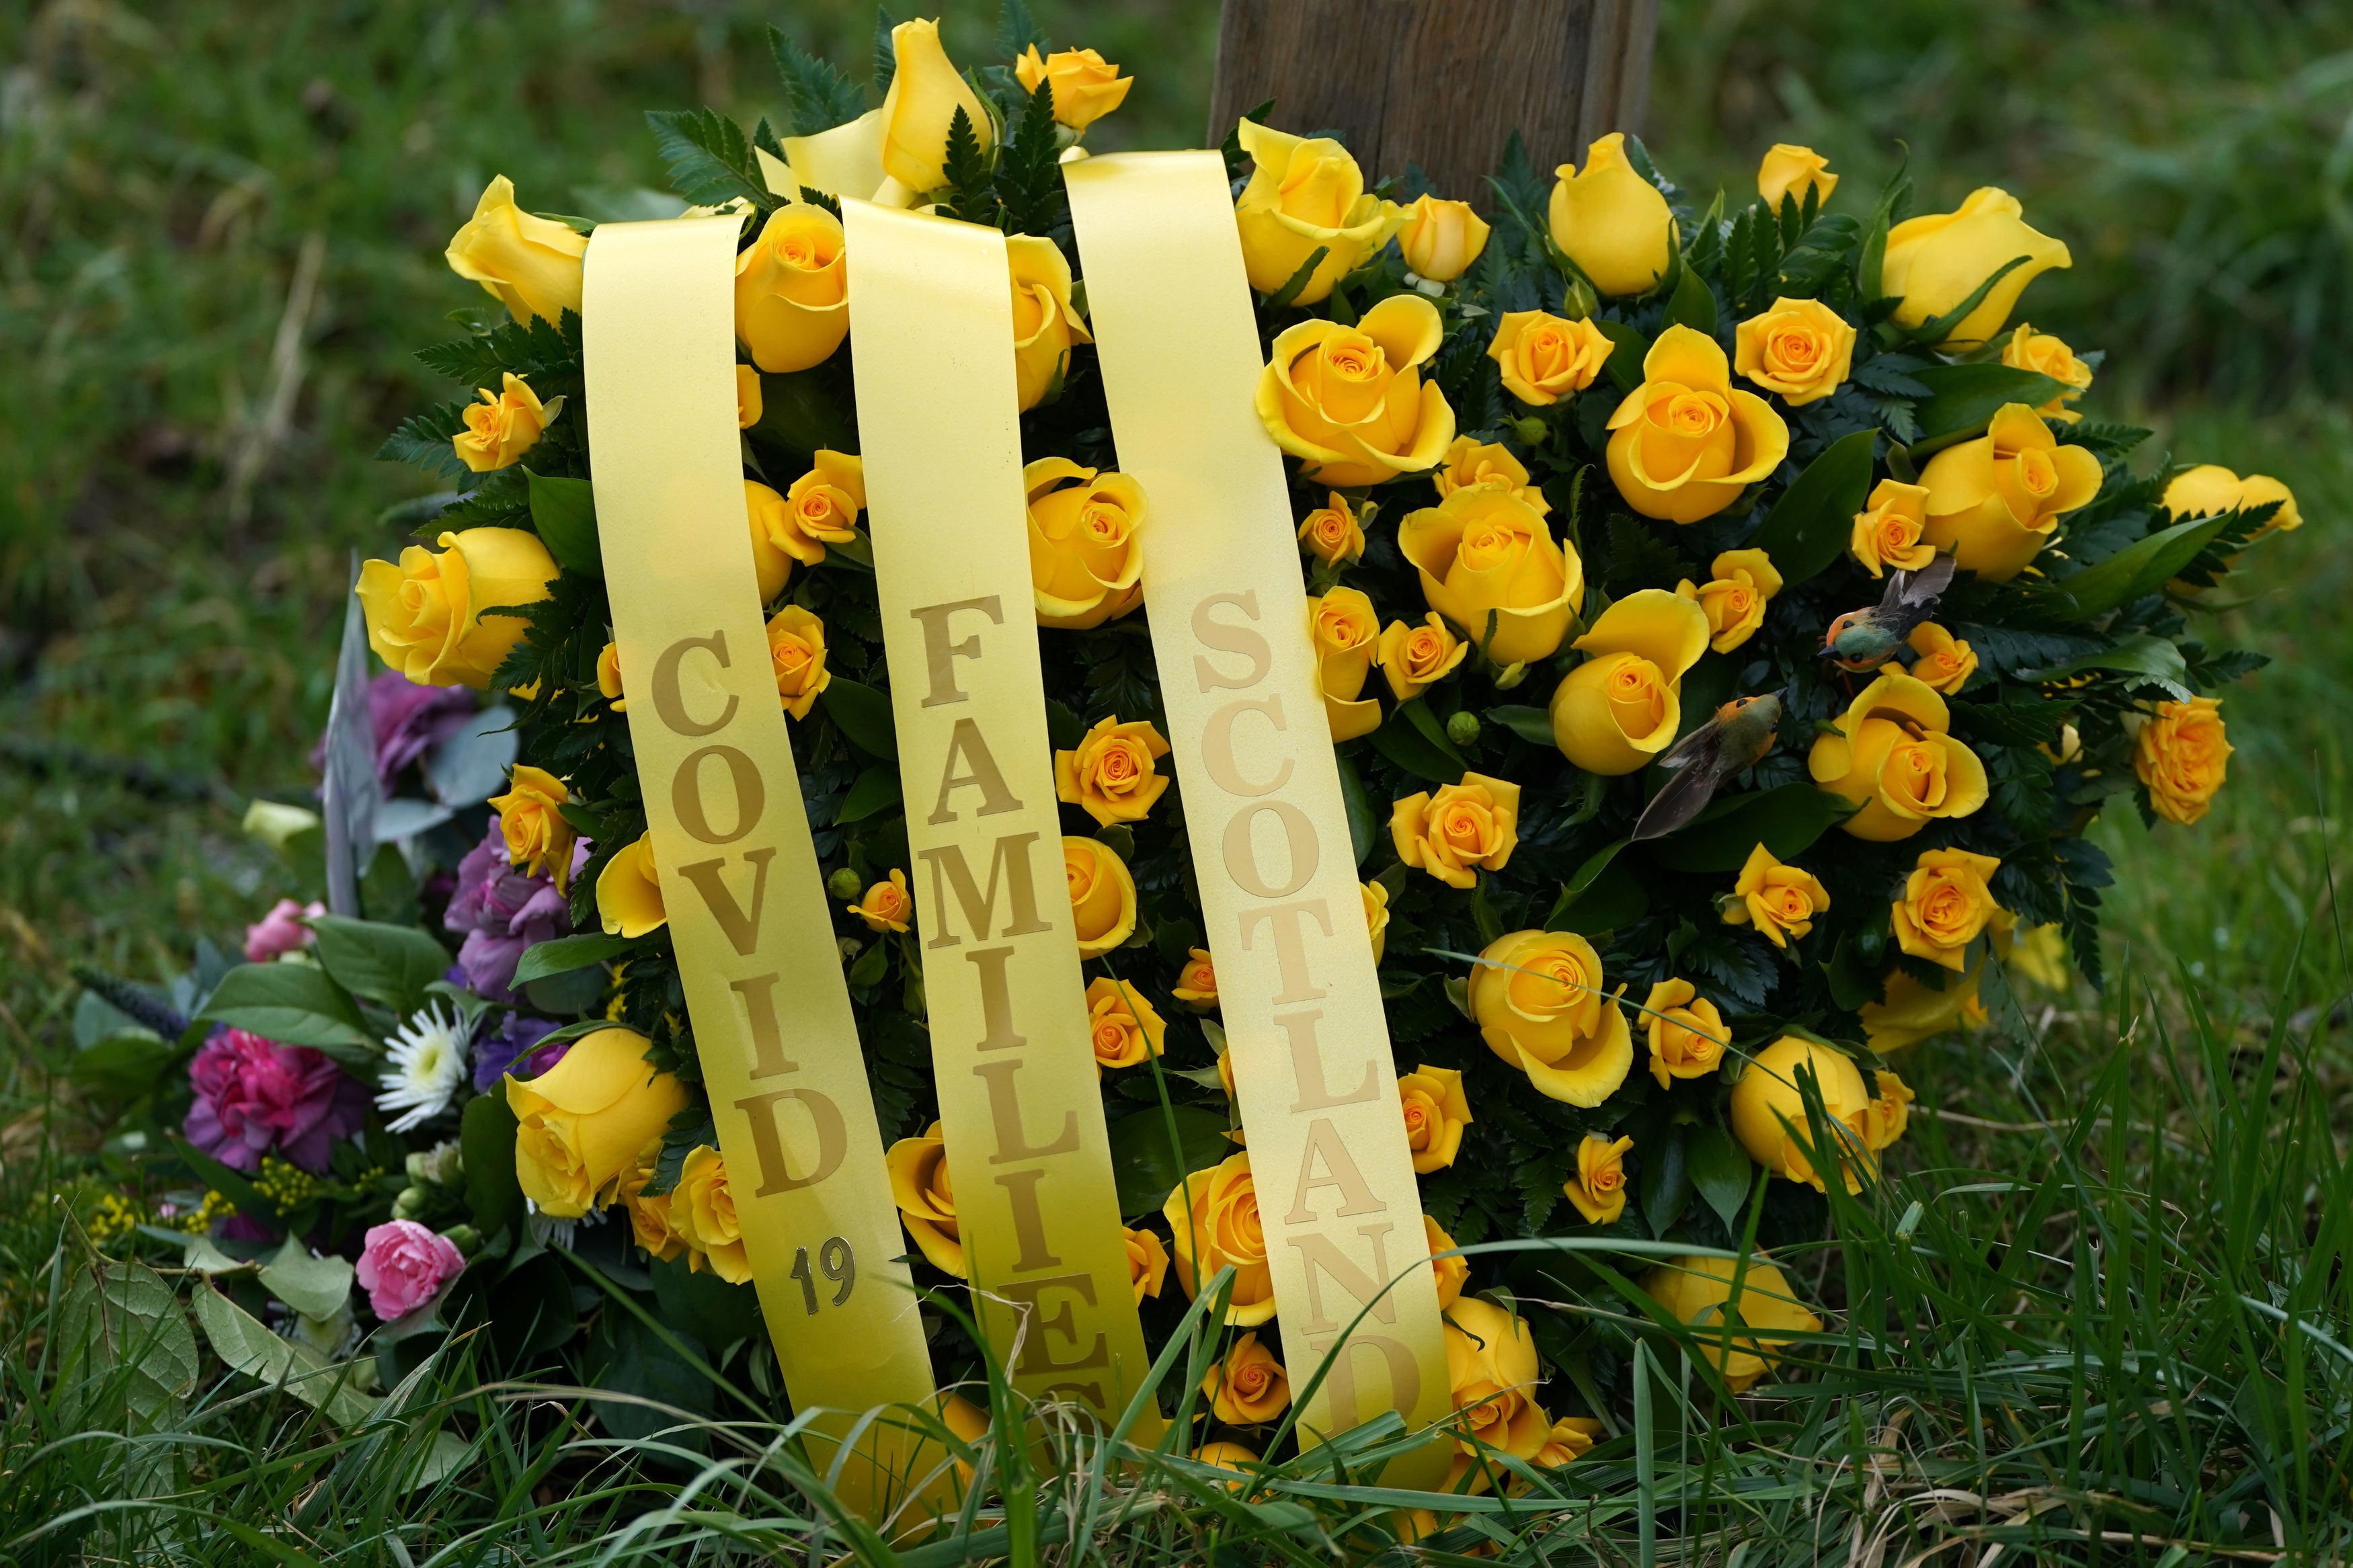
(402, 1264)
(280, 930)
(255, 1095)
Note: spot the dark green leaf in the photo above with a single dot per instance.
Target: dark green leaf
(1143, 1165)
(566, 953)
(709, 157)
(1017, 30)
(1813, 521)
(1433, 729)
(821, 97)
(1298, 281)
(1409, 749)
(1363, 824)
(387, 964)
(1601, 896)
(876, 789)
(800, 413)
(1625, 364)
(1666, 1182)
(2140, 654)
(295, 1004)
(423, 440)
(486, 1139)
(699, 1303)
(1963, 399)
(564, 514)
(2135, 571)
(1531, 724)
(1721, 1170)
(1692, 305)
(1786, 820)
(864, 715)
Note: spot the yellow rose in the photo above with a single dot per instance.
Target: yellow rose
(1779, 901)
(1453, 1273)
(1490, 1362)
(1883, 1121)
(1543, 359)
(1249, 1386)
(584, 1122)
(609, 677)
(1345, 633)
(1801, 349)
(822, 507)
(1734, 599)
(1911, 1011)
(1102, 895)
(1306, 193)
(1599, 1188)
(919, 1185)
(1148, 1262)
(1620, 708)
(1045, 323)
(2209, 489)
(2181, 755)
(886, 906)
(1125, 1029)
(629, 891)
(501, 427)
(1943, 662)
(429, 617)
(1415, 658)
(1570, 1437)
(1436, 1112)
(2029, 350)
(1767, 1096)
(1537, 999)
(792, 289)
(1490, 564)
(538, 838)
(1350, 403)
(1462, 825)
(650, 1225)
(1470, 465)
(530, 265)
(1441, 239)
(704, 1212)
(1788, 170)
(1891, 754)
(1196, 983)
(1112, 776)
(1944, 906)
(747, 397)
(1231, 1457)
(1377, 916)
(1994, 502)
(1698, 1291)
(1086, 86)
(1086, 551)
(1213, 1217)
(926, 89)
(797, 654)
(1332, 533)
(1934, 262)
(1685, 443)
(1686, 1033)
(1611, 222)
(1887, 536)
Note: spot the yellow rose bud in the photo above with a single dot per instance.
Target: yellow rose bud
(1538, 1001)
(1086, 548)
(1148, 1262)
(886, 905)
(1490, 1362)
(1734, 600)
(702, 1211)
(1462, 825)
(1887, 537)
(1620, 708)
(747, 397)
(1933, 263)
(2040, 351)
(1768, 1113)
(792, 289)
(1944, 662)
(1124, 1029)
(650, 1225)
(1884, 1120)
(1345, 632)
(1543, 359)
(2210, 490)
(1567, 1442)
(1436, 1112)
(1350, 402)
(1685, 443)
(584, 1120)
(530, 265)
(1377, 916)
(1415, 658)
(1801, 349)
(1995, 502)
(1332, 533)
(1453, 1273)
(1304, 193)
(538, 838)
(1045, 323)
(926, 89)
(1945, 905)
(2181, 755)
(1086, 86)
(1102, 895)
(1472, 465)
(1687, 1035)
(1790, 170)
(1489, 563)
(1196, 983)
(501, 427)
(1441, 239)
(1698, 1291)
(796, 656)
(1779, 901)
(429, 617)
(1891, 753)
(1213, 1221)
(1249, 1386)
(609, 677)
(1611, 222)
(1911, 1011)
(629, 891)
(919, 1185)
(1599, 1188)
(1112, 776)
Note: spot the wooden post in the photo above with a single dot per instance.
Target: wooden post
(1440, 83)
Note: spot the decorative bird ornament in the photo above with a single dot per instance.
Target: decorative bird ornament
(1862, 640)
(1734, 740)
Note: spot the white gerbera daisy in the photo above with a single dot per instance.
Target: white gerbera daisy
(425, 1061)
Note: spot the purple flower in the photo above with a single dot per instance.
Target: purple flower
(408, 720)
(516, 1048)
(255, 1097)
(501, 911)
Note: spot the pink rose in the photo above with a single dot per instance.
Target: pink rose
(403, 1264)
(280, 930)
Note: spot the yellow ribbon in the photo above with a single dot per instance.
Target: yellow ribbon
(747, 910)
(1296, 982)
(931, 304)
